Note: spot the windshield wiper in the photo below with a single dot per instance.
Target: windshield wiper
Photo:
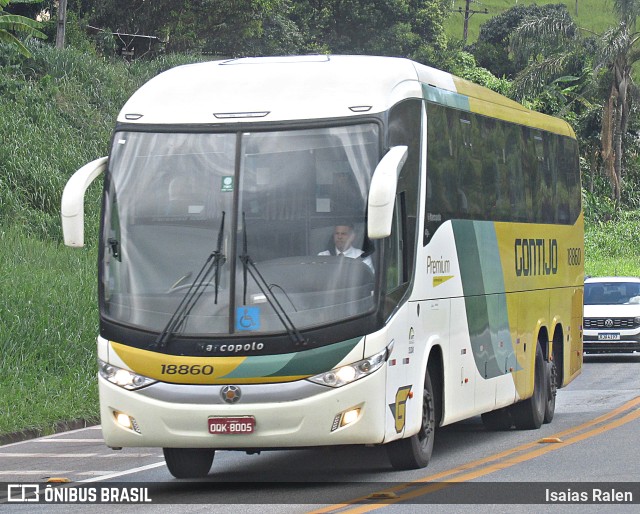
(249, 266)
(215, 259)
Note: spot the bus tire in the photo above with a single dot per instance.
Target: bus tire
(189, 462)
(499, 419)
(415, 452)
(529, 414)
(550, 405)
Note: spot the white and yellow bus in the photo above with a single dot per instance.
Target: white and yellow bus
(227, 321)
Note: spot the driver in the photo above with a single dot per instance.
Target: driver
(343, 237)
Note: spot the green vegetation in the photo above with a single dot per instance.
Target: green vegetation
(47, 334)
(594, 15)
(57, 110)
(613, 247)
(15, 23)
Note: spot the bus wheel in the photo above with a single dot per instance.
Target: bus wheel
(529, 414)
(497, 419)
(415, 452)
(189, 462)
(550, 406)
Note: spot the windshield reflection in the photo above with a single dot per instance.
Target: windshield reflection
(165, 200)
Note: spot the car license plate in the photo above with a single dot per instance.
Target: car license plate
(231, 425)
(609, 336)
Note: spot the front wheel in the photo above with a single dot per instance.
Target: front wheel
(415, 452)
(189, 462)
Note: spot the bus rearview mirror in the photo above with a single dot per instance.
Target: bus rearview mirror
(382, 192)
(72, 208)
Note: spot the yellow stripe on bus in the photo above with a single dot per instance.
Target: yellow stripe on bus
(179, 369)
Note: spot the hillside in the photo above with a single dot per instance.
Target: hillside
(57, 111)
(594, 15)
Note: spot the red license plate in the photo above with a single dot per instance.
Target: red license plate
(232, 425)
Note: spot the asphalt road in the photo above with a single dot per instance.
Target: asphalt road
(589, 449)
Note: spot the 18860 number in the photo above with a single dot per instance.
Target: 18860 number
(185, 369)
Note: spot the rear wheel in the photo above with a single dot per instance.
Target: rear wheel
(189, 462)
(550, 406)
(415, 452)
(529, 414)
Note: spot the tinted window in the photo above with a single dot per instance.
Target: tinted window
(487, 169)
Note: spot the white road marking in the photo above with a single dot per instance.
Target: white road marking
(95, 476)
(75, 455)
(50, 440)
(49, 455)
(125, 472)
(76, 431)
(46, 472)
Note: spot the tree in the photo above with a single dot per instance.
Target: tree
(618, 54)
(492, 49)
(614, 54)
(221, 27)
(10, 23)
(406, 28)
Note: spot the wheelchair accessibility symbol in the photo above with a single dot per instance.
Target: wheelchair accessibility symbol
(248, 318)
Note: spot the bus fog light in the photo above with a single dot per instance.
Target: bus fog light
(351, 372)
(345, 418)
(126, 421)
(349, 417)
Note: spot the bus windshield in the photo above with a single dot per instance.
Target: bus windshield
(244, 228)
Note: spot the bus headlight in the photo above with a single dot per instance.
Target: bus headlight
(350, 373)
(123, 377)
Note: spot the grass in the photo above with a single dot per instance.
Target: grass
(49, 322)
(613, 247)
(593, 15)
(57, 111)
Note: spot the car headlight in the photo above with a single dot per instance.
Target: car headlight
(123, 377)
(636, 320)
(351, 372)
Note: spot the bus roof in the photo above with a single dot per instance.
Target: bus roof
(310, 87)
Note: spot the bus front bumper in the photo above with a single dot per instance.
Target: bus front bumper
(181, 419)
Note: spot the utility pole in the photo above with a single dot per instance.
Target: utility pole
(62, 23)
(468, 12)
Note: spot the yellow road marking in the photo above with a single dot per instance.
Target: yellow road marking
(506, 459)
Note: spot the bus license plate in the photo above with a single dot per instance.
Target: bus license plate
(232, 425)
(609, 336)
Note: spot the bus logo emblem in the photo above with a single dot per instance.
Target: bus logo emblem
(231, 394)
(399, 409)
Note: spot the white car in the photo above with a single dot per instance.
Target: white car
(611, 314)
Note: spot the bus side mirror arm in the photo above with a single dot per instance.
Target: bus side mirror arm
(72, 208)
(382, 192)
